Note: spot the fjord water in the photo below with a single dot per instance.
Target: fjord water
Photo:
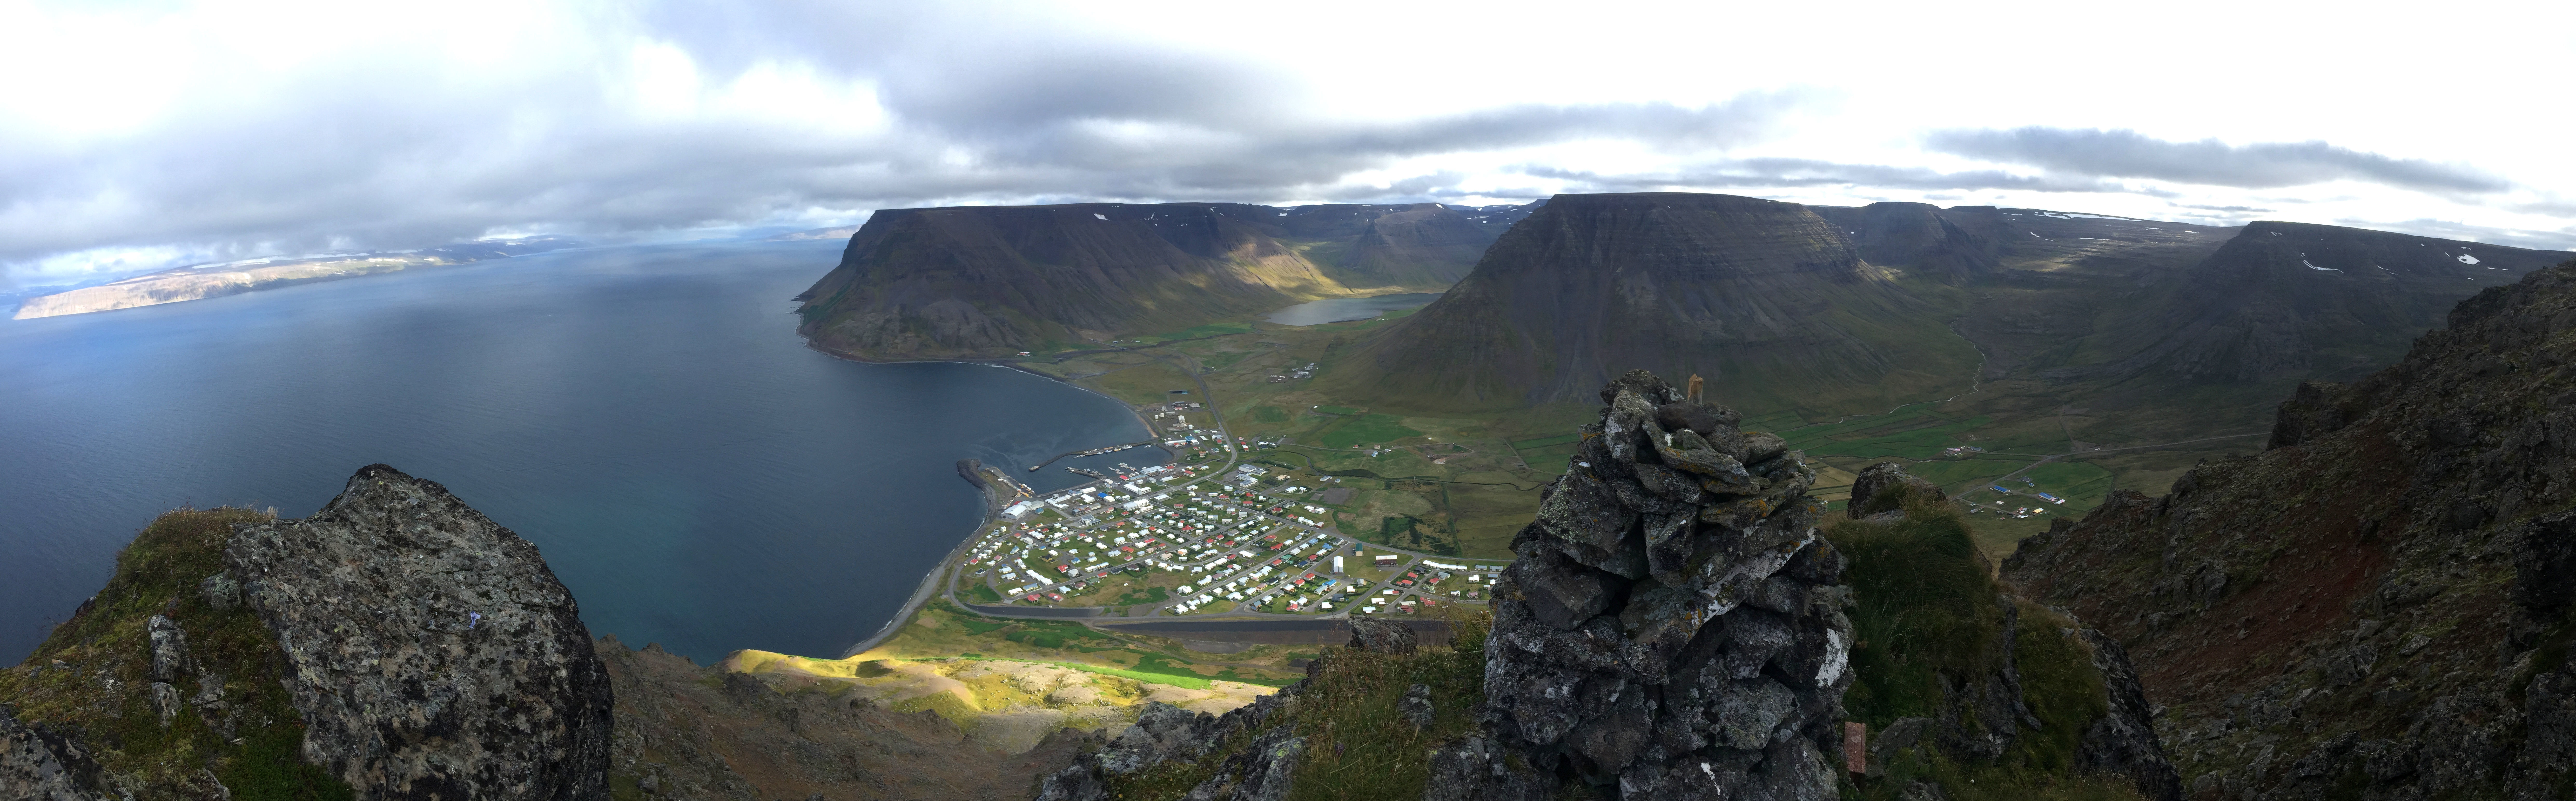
(1334, 310)
(646, 415)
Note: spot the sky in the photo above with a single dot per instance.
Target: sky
(143, 135)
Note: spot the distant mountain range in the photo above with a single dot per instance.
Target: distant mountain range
(1755, 293)
(989, 281)
(197, 282)
(1830, 310)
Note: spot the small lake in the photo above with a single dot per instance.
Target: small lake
(646, 415)
(1343, 309)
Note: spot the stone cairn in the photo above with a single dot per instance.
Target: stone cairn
(1674, 623)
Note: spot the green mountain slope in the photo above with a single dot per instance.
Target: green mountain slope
(989, 281)
(1767, 300)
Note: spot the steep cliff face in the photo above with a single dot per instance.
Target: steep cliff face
(395, 645)
(1759, 296)
(989, 281)
(2376, 607)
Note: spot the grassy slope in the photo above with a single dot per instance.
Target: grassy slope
(1928, 613)
(1357, 747)
(105, 664)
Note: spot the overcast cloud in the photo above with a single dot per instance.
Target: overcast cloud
(2260, 165)
(141, 137)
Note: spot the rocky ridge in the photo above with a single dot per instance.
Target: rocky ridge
(2376, 606)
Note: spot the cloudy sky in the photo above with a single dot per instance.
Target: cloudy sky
(140, 135)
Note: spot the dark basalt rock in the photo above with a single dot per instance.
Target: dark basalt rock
(1477, 769)
(431, 651)
(1718, 669)
(1382, 636)
(2398, 563)
(1883, 487)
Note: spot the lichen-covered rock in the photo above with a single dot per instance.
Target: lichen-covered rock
(38, 766)
(431, 651)
(1265, 771)
(1674, 641)
(1164, 733)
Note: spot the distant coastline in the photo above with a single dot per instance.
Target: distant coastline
(199, 282)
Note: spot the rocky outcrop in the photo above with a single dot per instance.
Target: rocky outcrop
(1673, 625)
(432, 652)
(1479, 769)
(1884, 487)
(1165, 733)
(394, 645)
(1382, 635)
(40, 766)
(2376, 606)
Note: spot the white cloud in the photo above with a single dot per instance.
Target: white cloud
(176, 129)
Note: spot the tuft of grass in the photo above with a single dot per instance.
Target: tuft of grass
(1358, 747)
(1927, 609)
(158, 573)
(1930, 613)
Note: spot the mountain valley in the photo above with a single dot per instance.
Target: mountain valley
(1797, 502)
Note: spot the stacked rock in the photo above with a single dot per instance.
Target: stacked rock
(1674, 623)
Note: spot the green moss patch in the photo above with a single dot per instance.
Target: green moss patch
(90, 676)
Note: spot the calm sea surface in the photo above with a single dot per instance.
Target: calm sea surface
(646, 415)
(1340, 309)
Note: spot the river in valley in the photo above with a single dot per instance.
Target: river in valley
(646, 415)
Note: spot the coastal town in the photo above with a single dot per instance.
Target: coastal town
(1177, 540)
(1211, 534)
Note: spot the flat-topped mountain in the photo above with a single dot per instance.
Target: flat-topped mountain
(2283, 301)
(989, 281)
(1769, 300)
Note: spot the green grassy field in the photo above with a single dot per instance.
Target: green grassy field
(1371, 429)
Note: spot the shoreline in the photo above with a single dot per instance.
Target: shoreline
(997, 496)
(945, 569)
